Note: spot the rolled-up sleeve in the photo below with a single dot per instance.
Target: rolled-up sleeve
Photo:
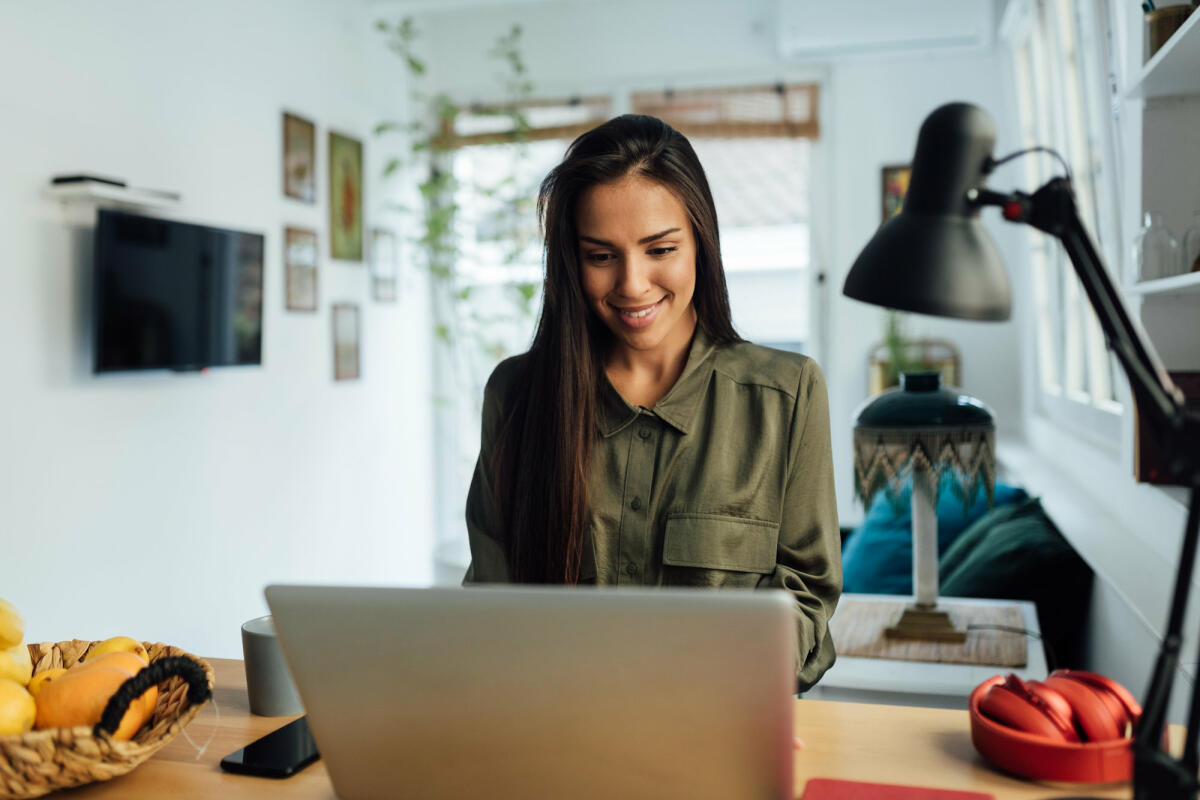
(808, 560)
(489, 563)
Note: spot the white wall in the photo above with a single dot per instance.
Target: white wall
(871, 111)
(159, 505)
(876, 108)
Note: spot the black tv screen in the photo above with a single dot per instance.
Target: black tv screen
(170, 295)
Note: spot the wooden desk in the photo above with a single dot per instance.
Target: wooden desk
(888, 744)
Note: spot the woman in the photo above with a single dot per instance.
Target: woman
(641, 440)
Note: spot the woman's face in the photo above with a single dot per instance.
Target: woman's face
(639, 262)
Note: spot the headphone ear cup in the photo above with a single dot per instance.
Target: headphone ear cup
(1092, 714)
(1053, 699)
(1004, 705)
(1107, 688)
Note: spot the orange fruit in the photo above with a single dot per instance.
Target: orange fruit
(78, 697)
(130, 662)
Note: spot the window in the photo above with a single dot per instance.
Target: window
(487, 310)
(755, 144)
(1061, 79)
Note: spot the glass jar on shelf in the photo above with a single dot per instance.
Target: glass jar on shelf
(1155, 251)
(1191, 246)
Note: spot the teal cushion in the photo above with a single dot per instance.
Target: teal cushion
(1017, 554)
(877, 557)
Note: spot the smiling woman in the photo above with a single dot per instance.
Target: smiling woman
(639, 285)
(641, 440)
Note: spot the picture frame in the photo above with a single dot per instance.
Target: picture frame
(299, 158)
(894, 185)
(345, 197)
(300, 269)
(345, 341)
(384, 261)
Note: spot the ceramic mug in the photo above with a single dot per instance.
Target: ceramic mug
(269, 684)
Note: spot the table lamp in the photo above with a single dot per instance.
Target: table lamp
(935, 437)
(934, 257)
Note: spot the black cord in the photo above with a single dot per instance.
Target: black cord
(993, 163)
(1051, 660)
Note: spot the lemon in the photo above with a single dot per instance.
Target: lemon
(42, 678)
(17, 708)
(119, 644)
(12, 627)
(16, 665)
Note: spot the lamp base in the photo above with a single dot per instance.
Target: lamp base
(925, 623)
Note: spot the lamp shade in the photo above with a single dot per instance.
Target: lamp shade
(921, 426)
(935, 257)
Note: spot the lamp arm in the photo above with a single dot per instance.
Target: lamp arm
(1052, 209)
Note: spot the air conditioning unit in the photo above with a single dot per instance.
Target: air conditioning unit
(832, 29)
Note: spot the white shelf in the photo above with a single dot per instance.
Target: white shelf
(1175, 68)
(100, 193)
(1188, 283)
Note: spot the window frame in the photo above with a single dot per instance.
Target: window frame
(1076, 379)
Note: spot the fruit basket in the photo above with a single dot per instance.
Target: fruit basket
(42, 761)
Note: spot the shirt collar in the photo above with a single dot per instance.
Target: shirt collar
(677, 407)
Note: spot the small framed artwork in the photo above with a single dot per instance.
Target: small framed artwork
(345, 197)
(383, 265)
(300, 269)
(345, 341)
(895, 186)
(299, 158)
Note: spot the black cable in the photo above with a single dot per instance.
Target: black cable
(1051, 660)
(993, 163)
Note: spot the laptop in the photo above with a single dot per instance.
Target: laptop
(529, 692)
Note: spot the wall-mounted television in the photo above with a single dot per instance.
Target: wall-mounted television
(171, 295)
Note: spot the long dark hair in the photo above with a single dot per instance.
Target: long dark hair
(544, 448)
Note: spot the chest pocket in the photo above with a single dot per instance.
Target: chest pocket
(718, 551)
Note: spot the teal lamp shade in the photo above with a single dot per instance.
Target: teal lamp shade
(923, 426)
(935, 257)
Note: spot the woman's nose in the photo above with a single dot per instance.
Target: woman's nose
(634, 280)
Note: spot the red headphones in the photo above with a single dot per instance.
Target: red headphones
(1073, 726)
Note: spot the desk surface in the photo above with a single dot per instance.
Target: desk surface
(888, 744)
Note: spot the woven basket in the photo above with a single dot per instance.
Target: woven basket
(39, 762)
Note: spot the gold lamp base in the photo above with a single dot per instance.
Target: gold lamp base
(925, 623)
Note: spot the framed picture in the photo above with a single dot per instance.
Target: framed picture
(345, 198)
(895, 186)
(383, 265)
(300, 269)
(299, 158)
(345, 341)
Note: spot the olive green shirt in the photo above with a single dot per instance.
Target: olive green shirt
(726, 482)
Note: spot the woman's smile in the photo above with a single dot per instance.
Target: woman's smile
(638, 317)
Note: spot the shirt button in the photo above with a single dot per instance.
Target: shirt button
(631, 569)
(636, 504)
(644, 433)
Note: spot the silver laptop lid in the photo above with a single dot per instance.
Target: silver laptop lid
(527, 692)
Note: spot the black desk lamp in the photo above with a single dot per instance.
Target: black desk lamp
(935, 258)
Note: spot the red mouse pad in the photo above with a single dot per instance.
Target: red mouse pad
(833, 789)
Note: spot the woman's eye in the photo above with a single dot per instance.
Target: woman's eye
(662, 251)
(599, 258)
